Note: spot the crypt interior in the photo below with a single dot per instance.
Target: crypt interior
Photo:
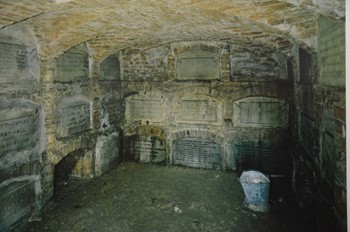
(225, 86)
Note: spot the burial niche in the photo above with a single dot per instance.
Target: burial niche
(197, 153)
(73, 65)
(110, 69)
(70, 174)
(260, 112)
(197, 65)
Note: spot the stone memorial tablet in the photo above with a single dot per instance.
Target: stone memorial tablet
(17, 62)
(197, 66)
(260, 155)
(197, 152)
(145, 149)
(73, 65)
(16, 134)
(110, 69)
(144, 108)
(16, 200)
(107, 153)
(331, 51)
(198, 109)
(73, 119)
(260, 112)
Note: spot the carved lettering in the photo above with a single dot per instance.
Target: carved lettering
(197, 66)
(13, 61)
(331, 52)
(198, 109)
(149, 109)
(146, 149)
(72, 67)
(16, 201)
(73, 120)
(260, 112)
(197, 152)
(16, 134)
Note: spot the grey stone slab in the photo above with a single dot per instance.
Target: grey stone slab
(17, 62)
(197, 152)
(197, 66)
(107, 153)
(198, 109)
(145, 108)
(16, 201)
(146, 149)
(73, 119)
(17, 134)
(72, 67)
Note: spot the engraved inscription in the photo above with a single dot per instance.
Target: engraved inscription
(145, 109)
(13, 61)
(197, 152)
(197, 66)
(73, 120)
(72, 67)
(197, 110)
(146, 149)
(331, 52)
(261, 155)
(107, 153)
(260, 111)
(16, 201)
(16, 134)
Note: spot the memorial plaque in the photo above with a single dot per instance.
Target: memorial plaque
(261, 111)
(197, 152)
(107, 153)
(110, 69)
(331, 51)
(197, 66)
(16, 201)
(145, 149)
(260, 155)
(16, 134)
(72, 67)
(16, 62)
(143, 108)
(198, 109)
(73, 119)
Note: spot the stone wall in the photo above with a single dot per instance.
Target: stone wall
(319, 167)
(202, 104)
(189, 106)
(21, 127)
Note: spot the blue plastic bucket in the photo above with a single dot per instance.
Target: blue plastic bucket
(256, 187)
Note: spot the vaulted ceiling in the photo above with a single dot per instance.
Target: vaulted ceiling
(110, 25)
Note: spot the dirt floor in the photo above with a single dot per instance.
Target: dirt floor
(137, 197)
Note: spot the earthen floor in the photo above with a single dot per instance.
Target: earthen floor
(137, 197)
